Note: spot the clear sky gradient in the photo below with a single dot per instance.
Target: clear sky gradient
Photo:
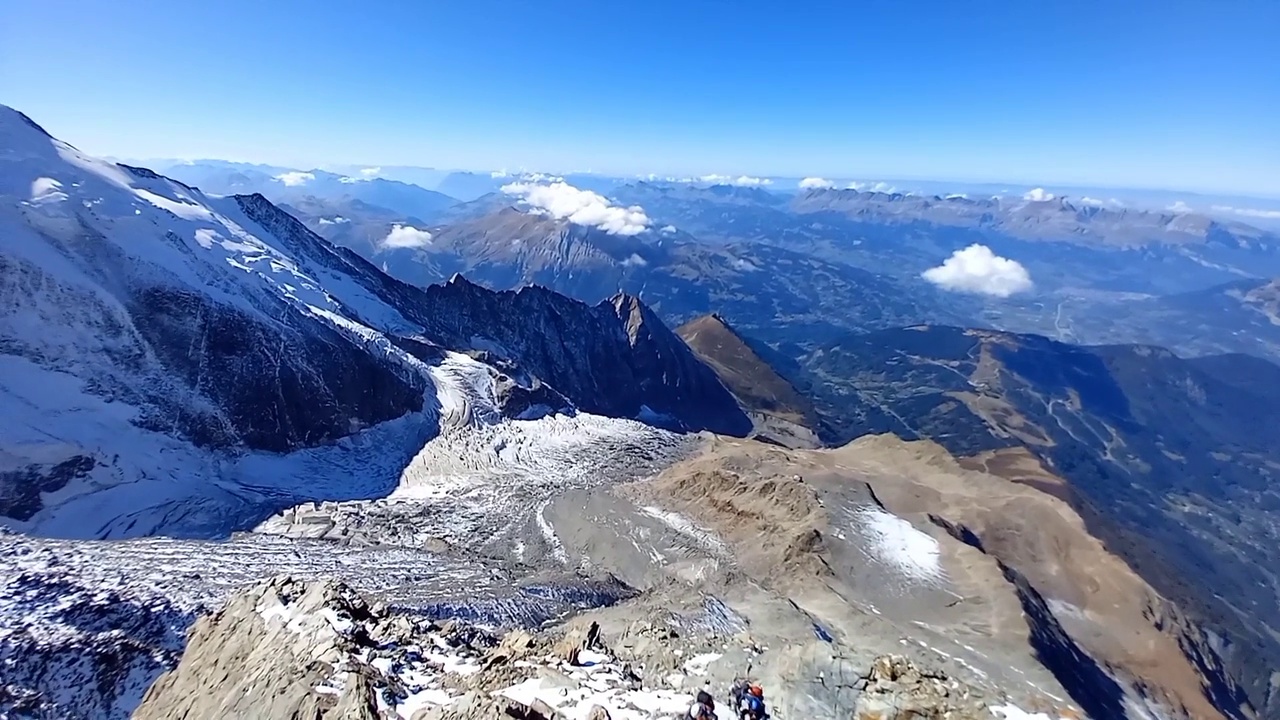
(1179, 94)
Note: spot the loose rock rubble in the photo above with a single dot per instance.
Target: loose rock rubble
(896, 689)
(317, 650)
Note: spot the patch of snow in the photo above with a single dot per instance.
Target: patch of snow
(899, 544)
(697, 665)
(46, 190)
(1013, 712)
(549, 534)
(688, 528)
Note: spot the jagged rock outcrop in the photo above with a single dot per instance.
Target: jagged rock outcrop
(780, 413)
(896, 689)
(294, 650)
(615, 358)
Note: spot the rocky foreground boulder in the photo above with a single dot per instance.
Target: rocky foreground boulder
(289, 649)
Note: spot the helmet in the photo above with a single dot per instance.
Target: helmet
(705, 698)
(756, 690)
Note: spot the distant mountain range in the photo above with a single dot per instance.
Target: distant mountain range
(297, 186)
(1049, 219)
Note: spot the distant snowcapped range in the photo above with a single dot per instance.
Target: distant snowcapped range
(219, 176)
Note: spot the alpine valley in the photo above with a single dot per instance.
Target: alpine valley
(297, 443)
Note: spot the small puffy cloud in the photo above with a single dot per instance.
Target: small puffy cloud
(740, 181)
(745, 265)
(815, 183)
(976, 269)
(956, 196)
(540, 177)
(1038, 195)
(406, 236)
(46, 190)
(876, 187)
(634, 261)
(295, 178)
(498, 174)
(371, 172)
(1096, 202)
(337, 220)
(581, 207)
(1244, 212)
(668, 229)
(1180, 208)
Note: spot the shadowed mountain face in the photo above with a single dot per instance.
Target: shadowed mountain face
(780, 412)
(1173, 463)
(610, 359)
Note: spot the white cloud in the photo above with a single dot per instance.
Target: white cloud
(371, 172)
(814, 183)
(976, 269)
(1038, 195)
(337, 220)
(541, 177)
(741, 180)
(1180, 208)
(635, 261)
(745, 265)
(1096, 202)
(46, 190)
(582, 207)
(295, 178)
(668, 229)
(1245, 212)
(876, 187)
(956, 196)
(406, 236)
(498, 174)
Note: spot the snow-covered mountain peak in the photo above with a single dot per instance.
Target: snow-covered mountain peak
(175, 337)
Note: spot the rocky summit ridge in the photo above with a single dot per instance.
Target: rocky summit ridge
(291, 649)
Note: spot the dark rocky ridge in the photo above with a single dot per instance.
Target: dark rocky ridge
(760, 390)
(601, 362)
(615, 358)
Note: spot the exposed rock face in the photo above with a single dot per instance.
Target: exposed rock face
(613, 359)
(293, 650)
(781, 414)
(264, 654)
(895, 689)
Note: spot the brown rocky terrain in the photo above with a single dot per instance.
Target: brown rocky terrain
(779, 411)
(1021, 583)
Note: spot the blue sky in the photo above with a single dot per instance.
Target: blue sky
(1169, 94)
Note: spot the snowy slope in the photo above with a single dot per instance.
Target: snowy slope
(165, 344)
(186, 364)
(180, 365)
